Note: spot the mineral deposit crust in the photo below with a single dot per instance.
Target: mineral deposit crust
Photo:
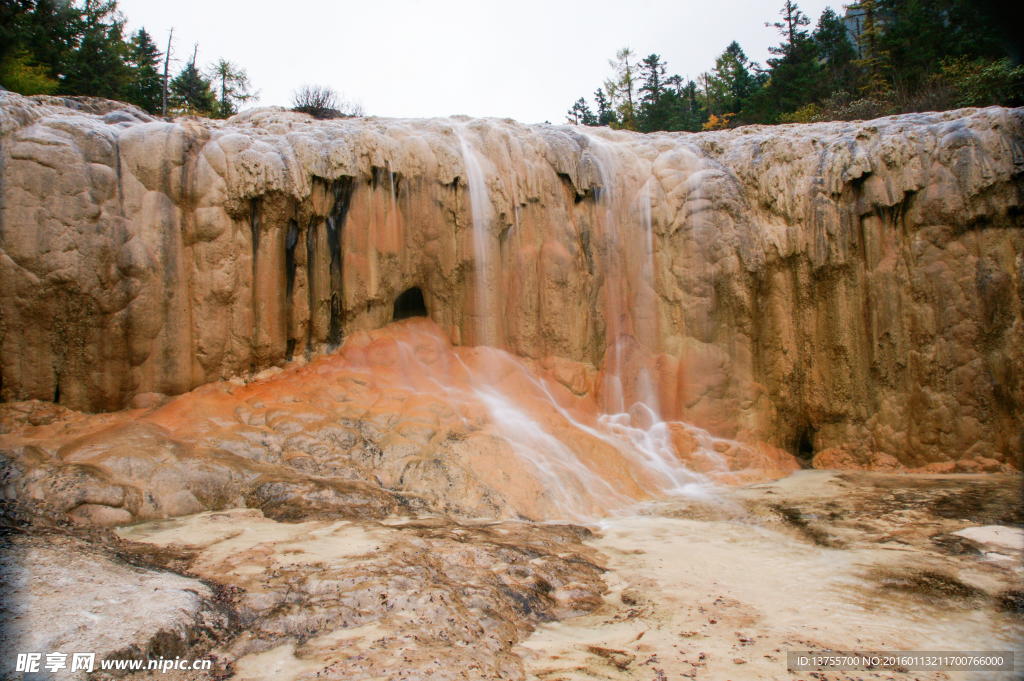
(848, 290)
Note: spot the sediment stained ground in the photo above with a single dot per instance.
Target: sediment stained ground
(722, 588)
(716, 587)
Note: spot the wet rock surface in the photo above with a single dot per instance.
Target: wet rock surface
(723, 587)
(848, 292)
(719, 586)
(397, 420)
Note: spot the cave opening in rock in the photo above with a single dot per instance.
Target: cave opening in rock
(805, 446)
(410, 304)
(56, 394)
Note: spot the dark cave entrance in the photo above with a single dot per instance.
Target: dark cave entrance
(804, 446)
(410, 304)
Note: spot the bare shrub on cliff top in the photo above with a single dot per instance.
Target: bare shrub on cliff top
(323, 102)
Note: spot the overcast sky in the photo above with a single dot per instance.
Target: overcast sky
(528, 60)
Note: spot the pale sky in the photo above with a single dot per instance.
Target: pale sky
(528, 60)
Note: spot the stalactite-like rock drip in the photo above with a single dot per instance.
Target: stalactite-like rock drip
(851, 291)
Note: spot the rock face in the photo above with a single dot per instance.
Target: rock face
(851, 291)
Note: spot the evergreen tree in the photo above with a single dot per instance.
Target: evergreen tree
(690, 115)
(621, 88)
(917, 36)
(98, 67)
(874, 59)
(78, 47)
(191, 93)
(794, 72)
(233, 87)
(653, 85)
(732, 82)
(791, 28)
(50, 34)
(580, 113)
(605, 113)
(656, 110)
(145, 86)
(20, 71)
(836, 53)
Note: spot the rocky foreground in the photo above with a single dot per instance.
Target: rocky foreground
(715, 587)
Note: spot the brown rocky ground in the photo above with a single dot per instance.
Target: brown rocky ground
(718, 586)
(721, 588)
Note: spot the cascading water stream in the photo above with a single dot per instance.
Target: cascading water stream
(648, 447)
(633, 425)
(627, 307)
(485, 315)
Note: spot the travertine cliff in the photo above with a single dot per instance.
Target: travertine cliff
(851, 290)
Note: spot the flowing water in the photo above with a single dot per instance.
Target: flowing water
(486, 314)
(631, 422)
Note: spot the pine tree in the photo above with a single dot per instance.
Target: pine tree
(874, 60)
(605, 112)
(793, 73)
(791, 27)
(144, 87)
(580, 113)
(732, 82)
(191, 93)
(233, 87)
(835, 52)
(20, 71)
(659, 107)
(98, 67)
(49, 36)
(621, 88)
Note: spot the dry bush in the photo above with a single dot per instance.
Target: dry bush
(322, 102)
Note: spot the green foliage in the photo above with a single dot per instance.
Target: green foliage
(909, 55)
(78, 47)
(917, 36)
(12, 28)
(621, 88)
(232, 86)
(19, 74)
(580, 113)
(794, 71)
(144, 87)
(983, 83)
(836, 54)
(731, 84)
(98, 67)
(657, 105)
(42, 34)
(191, 93)
(806, 114)
(605, 114)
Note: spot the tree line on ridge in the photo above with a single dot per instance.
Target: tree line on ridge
(891, 56)
(79, 48)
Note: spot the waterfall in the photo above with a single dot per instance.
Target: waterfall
(632, 425)
(484, 313)
(626, 215)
